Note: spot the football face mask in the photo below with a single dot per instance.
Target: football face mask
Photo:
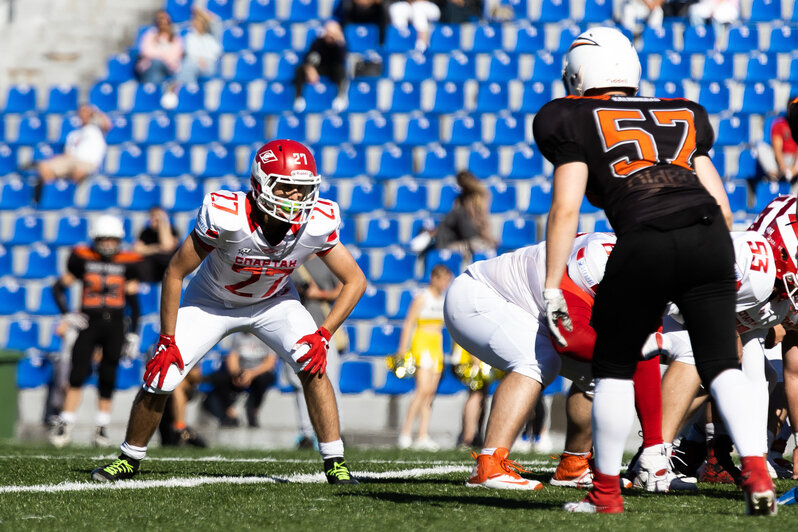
(289, 198)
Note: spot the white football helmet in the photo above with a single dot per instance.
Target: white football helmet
(107, 228)
(601, 58)
(587, 263)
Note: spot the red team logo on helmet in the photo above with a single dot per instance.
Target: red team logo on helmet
(777, 223)
(282, 166)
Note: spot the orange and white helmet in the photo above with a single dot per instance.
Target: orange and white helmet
(601, 58)
(779, 225)
(285, 164)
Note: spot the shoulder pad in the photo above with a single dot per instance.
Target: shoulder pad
(221, 213)
(86, 253)
(127, 257)
(325, 218)
(755, 269)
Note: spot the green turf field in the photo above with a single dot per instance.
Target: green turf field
(45, 489)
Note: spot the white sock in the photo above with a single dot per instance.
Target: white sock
(68, 417)
(331, 449)
(739, 408)
(137, 453)
(709, 431)
(613, 416)
(103, 419)
(576, 454)
(654, 450)
(488, 450)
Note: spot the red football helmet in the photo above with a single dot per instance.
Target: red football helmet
(777, 223)
(285, 165)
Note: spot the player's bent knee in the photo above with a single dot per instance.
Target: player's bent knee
(708, 370)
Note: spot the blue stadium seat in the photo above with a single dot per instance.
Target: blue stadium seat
(377, 129)
(438, 163)
(363, 259)
(261, 11)
(27, 230)
(235, 39)
(451, 259)
(121, 130)
(160, 129)
(72, 230)
(568, 33)
(449, 384)
(418, 67)
(247, 129)
(465, 130)
(421, 129)
(21, 99)
(42, 151)
(362, 37)
(149, 336)
(757, 99)
(370, 306)
(69, 123)
(148, 298)
(303, 10)
(765, 191)
(747, 165)
(203, 130)
(446, 198)
(221, 8)
(383, 340)
(22, 335)
(32, 373)
(366, 197)
(399, 41)
(406, 97)
(718, 67)
(32, 130)
(529, 39)
(449, 97)
(668, 89)
(539, 198)
(121, 68)
(179, 10)
(394, 162)
(394, 385)
(444, 38)
(732, 131)
(380, 233)
(41, 263)
(146, 194)
(233, 98)
(129, 373)
(520, 9)
(527, 162)
(276, 38)
(5, 262)
(714, 96)
(518, 232)
(14, 193)
(362, 96)
(487, 38)
(397, 267)
(334, 131)
(132, 161)
(277, 98)
(460, 67)
(62, 99)
(738, 195)
(536, 95)
(405, 299)
(356, 376)
(291, 126)
(742, 39)
(597, 11)
(698, 39)
(554, 11)
(350, 162)
(147, 98)
(248, 67)
(410, 198)
(219, 161)
(547, 66)
(674, 67)
(509, 129)
(492, 97)
(103, 195)
(57, 195)
(8, 159)
(765, 11)
(176, 161)
(483, 162)
(103, 95)
(319, 96)
(761, 67)
(503, 198)
(783, 39)
(657, 40)
(188, 196)
(45, 305)
(503, 67)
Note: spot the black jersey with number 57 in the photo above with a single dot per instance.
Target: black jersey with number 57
(639, 152)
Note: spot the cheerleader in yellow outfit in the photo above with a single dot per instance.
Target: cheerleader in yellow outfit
(424, 321)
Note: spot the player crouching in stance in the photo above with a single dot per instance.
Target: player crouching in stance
(246, 245)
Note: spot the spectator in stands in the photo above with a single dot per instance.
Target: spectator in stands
(715, 11)
(466, 228)
(422, 335)
(84, 151)
(160, 51)
(362, 12)
(419, 13)
(250, 366)
(173, 428)
(649, 12)
(325, 58)
(460, 11)
(779, 157)
(156, 243)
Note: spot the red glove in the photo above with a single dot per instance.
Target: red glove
(317, 354)
(166, 354)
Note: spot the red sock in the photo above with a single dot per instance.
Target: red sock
(179, 425)
(606, 489)
(648, 400)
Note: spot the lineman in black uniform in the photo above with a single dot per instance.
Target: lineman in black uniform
(110, 282)
(645, 161)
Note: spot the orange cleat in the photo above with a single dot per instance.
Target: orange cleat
(573, 471)
(498, 472)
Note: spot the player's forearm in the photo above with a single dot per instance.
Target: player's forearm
(560, 233)
(170, 301)
(347, 299)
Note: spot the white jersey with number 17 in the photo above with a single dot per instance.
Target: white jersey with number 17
(242, 268)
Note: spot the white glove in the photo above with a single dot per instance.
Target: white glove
(76, 320)
(557, 310)
(130, 348)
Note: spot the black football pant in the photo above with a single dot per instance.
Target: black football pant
(691, 266)
(108, 334)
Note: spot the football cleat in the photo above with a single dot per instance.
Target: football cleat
(101, 438)
(779, 467)
(496, 471)
(404, 441)
(719, 467)
(604, 498)
(758, 489)
(188, 436)
(122, 468)
(573, 471)
(60, 433)
(653, 472)
(426, 444)
(337, 472)
(688, 456)
(587, 507)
